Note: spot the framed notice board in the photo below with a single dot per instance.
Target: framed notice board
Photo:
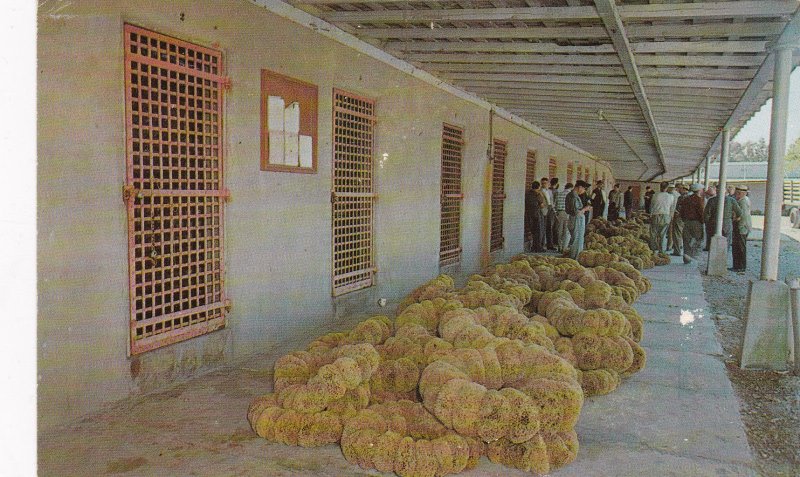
(288, 124)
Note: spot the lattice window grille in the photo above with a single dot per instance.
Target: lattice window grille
(451, 195)
(496, 239)
(353, 196)
(570, 171)
(174, 189)
(578, 174)
(530, 169)
(552, 167)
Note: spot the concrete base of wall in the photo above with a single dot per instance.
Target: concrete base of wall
(766, 338)
(718, 257)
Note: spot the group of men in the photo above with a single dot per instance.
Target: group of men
(681, 215)
(556, 218)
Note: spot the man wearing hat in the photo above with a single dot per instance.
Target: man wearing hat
(730, 211)
(677, 222)
(741, 228)
(576, 210)
(691, 211)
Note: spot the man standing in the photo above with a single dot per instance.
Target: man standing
(534, 200)
(586, 200)
(671, 191)
(692, 216)
(598, 199)
(660, 207)
(731, 211)
(614, 203)
(648, 199)
(710, 192)
(677, 221)
(552, 238)
(628, 202)
(576, 211)
(546, 216)
(741, 229)
(562, 219)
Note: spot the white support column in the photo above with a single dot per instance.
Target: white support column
(723, 179)
(766, 338)
(705, 171)
(718, 251)
(777, 150)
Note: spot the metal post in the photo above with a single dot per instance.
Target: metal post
(705, 171)
(777, 149)
(723, 180)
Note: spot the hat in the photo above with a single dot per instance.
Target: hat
(742, 188)
(696, 187)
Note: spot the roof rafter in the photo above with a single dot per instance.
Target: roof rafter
(616, 30)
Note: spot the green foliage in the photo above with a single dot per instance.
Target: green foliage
(793, 157)
(749, 151)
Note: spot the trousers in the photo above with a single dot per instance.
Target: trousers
(692, 240)
(562, 230)
(677, 236)
(550, 228)
(578, 231)
(658, 231)
(739, 246)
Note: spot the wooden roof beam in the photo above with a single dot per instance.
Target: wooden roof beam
(701, 60)
(755, 47)
(616, 30)
(749, 9)
(675, 30)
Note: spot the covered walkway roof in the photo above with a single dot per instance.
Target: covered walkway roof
(646, 86)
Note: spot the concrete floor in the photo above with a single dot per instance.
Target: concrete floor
(678, 417)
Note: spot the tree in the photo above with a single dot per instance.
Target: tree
(793, 156)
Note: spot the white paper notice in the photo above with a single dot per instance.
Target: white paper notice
(291, 125)
(275, 107)
(306, 151)
(276, 147)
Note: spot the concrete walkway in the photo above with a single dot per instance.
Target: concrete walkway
(678, 416)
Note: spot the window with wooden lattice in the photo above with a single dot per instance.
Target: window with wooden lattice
(530, 169)
(578, 173)
(552, 168)
(352, 195)
(496, 239)
(174, 188)
(451, 195)
(570, 171)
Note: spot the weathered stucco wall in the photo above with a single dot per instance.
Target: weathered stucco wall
(278, 225)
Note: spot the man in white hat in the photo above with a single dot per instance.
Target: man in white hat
(741, 229)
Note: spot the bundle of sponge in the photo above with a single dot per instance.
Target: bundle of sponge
(498, 368)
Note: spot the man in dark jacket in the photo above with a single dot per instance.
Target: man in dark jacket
(648, 198)
(534, 219)
(628, 202)
(577, 209)
(691, 210)
(598, 200)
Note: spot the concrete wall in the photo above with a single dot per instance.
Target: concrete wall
(278, 225)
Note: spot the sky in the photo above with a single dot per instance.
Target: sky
(759, 124)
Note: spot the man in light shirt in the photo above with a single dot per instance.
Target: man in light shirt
(660, 209)
(741, 229)
(562, 218)
(549, 214)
